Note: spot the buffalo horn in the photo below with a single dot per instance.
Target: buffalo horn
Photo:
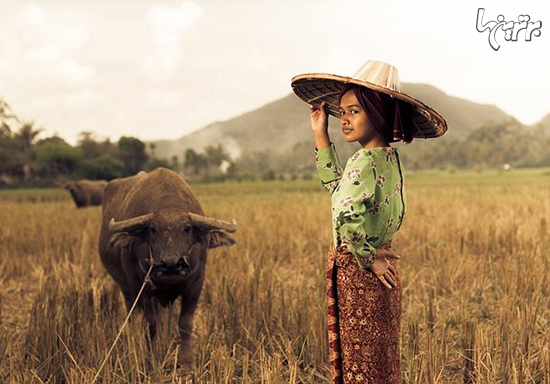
(204, 222)
(129, 225)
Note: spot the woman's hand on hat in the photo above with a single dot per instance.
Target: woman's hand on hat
(319, 117)
(319, 124)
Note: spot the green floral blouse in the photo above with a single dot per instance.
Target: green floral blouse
(368, 198)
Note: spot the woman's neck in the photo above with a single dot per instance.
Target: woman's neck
(375, 143)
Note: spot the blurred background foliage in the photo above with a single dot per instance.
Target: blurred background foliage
(27, 158)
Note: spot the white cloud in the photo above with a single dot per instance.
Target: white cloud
(164, 98)
(46, 46)
(41, 70)
(80, 102)
(167, 25)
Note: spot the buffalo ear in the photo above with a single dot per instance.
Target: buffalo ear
(216, 238)
(120, 240)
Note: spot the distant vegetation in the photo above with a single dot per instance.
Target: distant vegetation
(275, 139)
(28, 159)
(490, 146)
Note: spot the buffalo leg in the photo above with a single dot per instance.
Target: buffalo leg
(188, 305)
(132, 283)
(128, 298)
(150, 313)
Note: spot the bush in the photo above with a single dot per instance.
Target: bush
(132, 152)
(155, 163)
(56, 158)
(269, 175)
(105, 167)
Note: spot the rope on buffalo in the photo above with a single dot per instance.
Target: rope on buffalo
(146, 280)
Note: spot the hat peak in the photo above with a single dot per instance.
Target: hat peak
(379, 73)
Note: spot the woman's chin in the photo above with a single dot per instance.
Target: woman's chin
(350, 138)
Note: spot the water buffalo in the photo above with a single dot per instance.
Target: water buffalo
(153, 219)
(86, 192)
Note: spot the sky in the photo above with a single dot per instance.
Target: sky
(162, 69)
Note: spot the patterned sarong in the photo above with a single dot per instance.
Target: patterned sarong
(364, 319)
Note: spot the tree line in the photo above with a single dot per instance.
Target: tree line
(496, 145)
(28, 159)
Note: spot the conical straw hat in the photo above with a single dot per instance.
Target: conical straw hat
(314, 88)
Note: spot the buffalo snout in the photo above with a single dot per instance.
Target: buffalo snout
(172, 264)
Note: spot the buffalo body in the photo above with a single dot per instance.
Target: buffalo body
(153, 220)
(86, 193)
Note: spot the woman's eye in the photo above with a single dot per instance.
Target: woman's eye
(341, 113)
(354, 111)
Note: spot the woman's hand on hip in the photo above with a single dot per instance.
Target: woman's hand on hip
(319, 125)
(386, 253)
(385, 272)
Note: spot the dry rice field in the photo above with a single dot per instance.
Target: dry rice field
(475, 253)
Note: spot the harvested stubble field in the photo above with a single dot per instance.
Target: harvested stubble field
(475, 270)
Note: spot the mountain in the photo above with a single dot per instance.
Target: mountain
(278, 125)
(543, 125)
(284, 123)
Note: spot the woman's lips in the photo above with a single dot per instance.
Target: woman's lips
(347, 130)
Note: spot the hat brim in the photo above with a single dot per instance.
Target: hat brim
(313, 88)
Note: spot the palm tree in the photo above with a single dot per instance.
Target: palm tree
(5, 116)
(27, 135)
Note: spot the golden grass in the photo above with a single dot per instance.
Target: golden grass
(475, 255)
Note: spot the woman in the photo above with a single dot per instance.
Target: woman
(368, 207)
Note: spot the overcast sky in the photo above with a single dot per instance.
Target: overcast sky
(165, 68)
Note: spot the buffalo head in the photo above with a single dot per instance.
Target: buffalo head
(70, 186)
(171, 240)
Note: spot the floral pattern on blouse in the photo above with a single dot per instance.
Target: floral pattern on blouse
(368, 198)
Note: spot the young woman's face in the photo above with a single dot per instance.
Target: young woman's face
(354, 121)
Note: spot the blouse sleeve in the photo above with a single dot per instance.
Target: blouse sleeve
(328, 167)
(357, 188)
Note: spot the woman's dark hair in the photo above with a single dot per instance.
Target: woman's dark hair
(389, 116)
